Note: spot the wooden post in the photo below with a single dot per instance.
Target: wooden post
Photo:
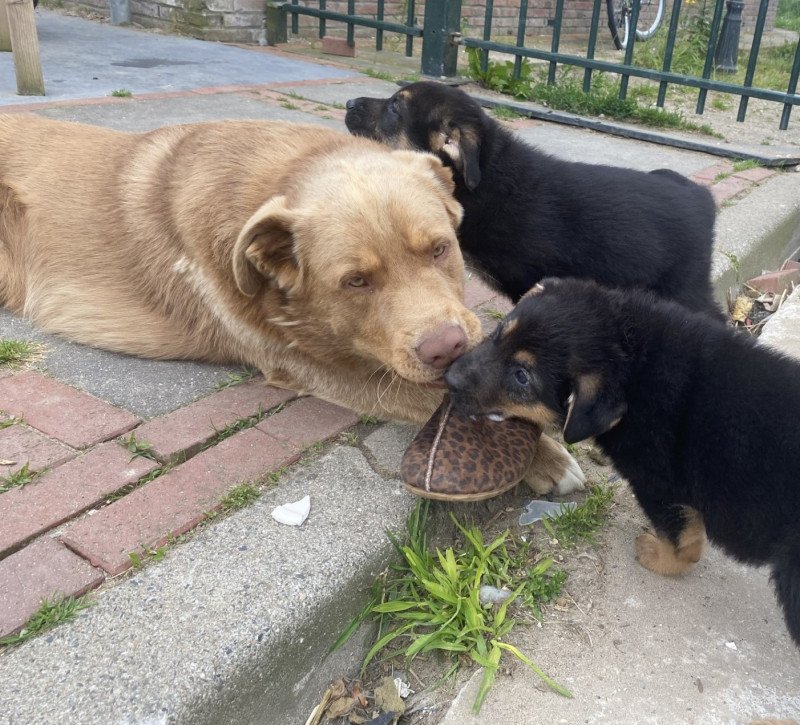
(5, 34)
(25, 44)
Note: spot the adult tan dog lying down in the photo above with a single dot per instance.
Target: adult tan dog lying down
(327, 261)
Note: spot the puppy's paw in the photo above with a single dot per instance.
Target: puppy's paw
(554, 470)
(649, 551)
(660, 556)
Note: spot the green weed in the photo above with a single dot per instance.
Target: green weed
(506, 114)
(788, 15)
(290, 106)
(20, 478)
(581, 522)
(236, 378)
(431, 601)
(121, 93)
(16, 352)
(138, 448)
(369, 420)
(50, 613)
(239, 496)
(379, 74)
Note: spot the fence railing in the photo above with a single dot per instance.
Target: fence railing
(441, 35)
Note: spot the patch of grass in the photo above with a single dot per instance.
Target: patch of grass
(50, 613)
(788, 15)
(745, 164)
(240, 496)
(122, 93)
(338, 105)
(721, 103)
(139, 559)
(567, 94)
(274, 476)
(369, 420)
(379, 74)
(349, 438)
(138, 448)
(232, 379)
(290, 106)
(506, 114)
(8, 422)
(431, 601)
(17, 480)
(582, 522)
(493, 313)
(16, 352)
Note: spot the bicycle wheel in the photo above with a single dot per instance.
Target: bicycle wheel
(619, 21)
(651, 13)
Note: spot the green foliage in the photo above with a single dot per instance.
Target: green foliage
(16, 480)
(788, 16)
(430, 601)
(16, 352)
(122, 93)
(240, 496)
(581, 522)
(567, 94)
(138, 448)
(50, 613)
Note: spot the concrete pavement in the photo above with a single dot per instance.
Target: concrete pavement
(232, 625)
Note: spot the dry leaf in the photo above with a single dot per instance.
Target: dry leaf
(741, 308)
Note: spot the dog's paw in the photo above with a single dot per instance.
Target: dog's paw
(554, 470)
(649, 550)
(660, 556)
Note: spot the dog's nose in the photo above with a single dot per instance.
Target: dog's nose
(351, 104)
(442, 346)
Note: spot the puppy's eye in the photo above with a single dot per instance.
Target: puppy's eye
(439, 250)
(357, 282)
(522, 377)
(393, 106)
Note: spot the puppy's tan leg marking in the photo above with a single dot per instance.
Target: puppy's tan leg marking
(661, 556)
(553, 470)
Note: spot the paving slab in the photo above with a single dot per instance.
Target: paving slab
(232, 626)
(83, 59)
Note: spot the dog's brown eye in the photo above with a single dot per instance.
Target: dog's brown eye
(439, 250)
(357, 282)
(522, 377)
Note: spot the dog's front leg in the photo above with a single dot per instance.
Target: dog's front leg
(553, 470)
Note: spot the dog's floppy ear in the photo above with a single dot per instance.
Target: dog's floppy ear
(462, 147)
(265, 248)
(595, 406)
(444, 178)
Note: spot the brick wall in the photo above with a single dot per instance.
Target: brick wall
(242, 21)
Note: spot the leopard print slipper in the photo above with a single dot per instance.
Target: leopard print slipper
(456, 458)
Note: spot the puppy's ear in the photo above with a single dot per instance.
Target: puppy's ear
(596, 406)
(463, 149)
(265, 248)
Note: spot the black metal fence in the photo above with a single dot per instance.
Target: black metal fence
(441, 34)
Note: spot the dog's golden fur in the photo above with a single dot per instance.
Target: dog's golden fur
(312, 255)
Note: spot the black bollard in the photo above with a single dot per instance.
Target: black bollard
(727, 52)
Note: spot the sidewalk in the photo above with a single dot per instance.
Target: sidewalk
(232, 624)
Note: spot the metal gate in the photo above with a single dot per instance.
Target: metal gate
(441, 35)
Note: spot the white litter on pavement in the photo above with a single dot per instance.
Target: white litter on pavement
(293, 514)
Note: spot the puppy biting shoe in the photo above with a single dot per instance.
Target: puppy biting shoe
(457, 458)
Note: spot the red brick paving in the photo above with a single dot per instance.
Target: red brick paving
(40, 571)
(25, 446)
(756, 174)
(175, 502)
(307, 421)
(729, 188)
(182, 433)
(66, 491)
(76, 418)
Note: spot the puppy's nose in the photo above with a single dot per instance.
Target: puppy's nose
(455, 378)
(442, 346)
(351, 104)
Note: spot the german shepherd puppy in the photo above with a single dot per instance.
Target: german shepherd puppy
(528, 215)
(675, 400)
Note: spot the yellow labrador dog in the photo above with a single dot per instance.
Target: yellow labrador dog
(327, 261)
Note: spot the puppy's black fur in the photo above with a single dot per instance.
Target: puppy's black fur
(528, 215)
(703, 422)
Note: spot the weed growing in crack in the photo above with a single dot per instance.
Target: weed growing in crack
(431, 601)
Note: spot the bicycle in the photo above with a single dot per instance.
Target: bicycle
(651, 13)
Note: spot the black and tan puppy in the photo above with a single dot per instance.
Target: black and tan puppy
(528, 215)
(703, 422)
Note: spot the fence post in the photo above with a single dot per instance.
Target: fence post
(275, 17)
(25, 43)
(727, 55)
(5, 33)
(439, 53)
